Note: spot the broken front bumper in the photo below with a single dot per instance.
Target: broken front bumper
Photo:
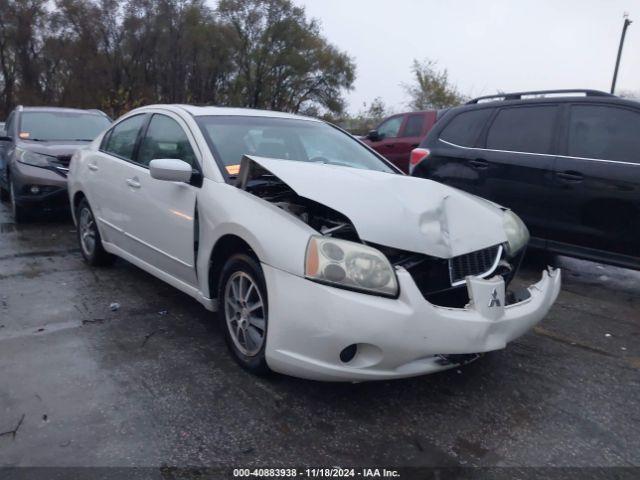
(310, 324)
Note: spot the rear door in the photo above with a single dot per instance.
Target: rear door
(597, 202)
(413, 130)
(515, 167)
(163, 214)
(389, 145)
(453, 152)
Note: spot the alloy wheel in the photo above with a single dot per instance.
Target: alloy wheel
(245, 313)
(87, 227)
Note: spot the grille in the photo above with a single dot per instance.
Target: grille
(478, 263)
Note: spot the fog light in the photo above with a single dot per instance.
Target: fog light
(35, 190)
(347, 354)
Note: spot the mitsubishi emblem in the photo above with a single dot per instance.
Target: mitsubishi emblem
(495, 301)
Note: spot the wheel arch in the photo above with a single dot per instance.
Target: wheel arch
(227, 245)
(77, 198)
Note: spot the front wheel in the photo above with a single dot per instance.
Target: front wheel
(89, 237)
(243, 312)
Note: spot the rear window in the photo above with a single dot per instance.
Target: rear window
(523, 129)
(465, 128)
(606, 133)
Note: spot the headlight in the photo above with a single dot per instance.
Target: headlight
(349, 265)
(31, 158)
(516, 231)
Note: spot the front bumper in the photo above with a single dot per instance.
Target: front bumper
(52, 187)
(310, 324)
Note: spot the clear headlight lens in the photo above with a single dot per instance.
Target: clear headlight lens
(516, 231)
(32, 158)
(349, 265)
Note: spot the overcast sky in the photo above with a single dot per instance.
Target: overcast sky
(486, 45)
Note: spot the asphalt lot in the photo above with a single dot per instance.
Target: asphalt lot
(151, 384)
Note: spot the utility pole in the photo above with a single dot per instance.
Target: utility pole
(625, 25)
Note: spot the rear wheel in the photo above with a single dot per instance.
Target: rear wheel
(20, 213)
(89, 237)
(244, 312)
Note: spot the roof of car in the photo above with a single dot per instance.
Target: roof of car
(203, 111)
(545, 96)
(60, 109)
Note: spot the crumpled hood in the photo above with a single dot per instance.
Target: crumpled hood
(396, 211)
(53, 148)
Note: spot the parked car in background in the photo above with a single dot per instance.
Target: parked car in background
(322, 259)
(568, 165)
(398, 134)
(35, 149)
(1, 126)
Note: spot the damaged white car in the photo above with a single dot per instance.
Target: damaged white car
(322, 260)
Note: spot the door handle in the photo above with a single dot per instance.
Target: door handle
(133, 183)
(570, 176)
(479, 163)
(93, 167)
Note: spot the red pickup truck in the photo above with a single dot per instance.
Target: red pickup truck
(398, 134)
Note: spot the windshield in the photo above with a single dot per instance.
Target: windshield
(70, 126)
(231, 137)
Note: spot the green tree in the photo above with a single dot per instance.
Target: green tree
(281, 61)
(431, 88)
(119, 54)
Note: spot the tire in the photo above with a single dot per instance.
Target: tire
(20, 213)
(89, 237)
(243, 312)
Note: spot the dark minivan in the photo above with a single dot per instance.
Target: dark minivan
(566, 161)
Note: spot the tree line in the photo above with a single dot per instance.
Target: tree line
(119, 54)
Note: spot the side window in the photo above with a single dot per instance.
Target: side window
(390, 128)
(523, 129)
(414, 126)
(121, 141)
(165, 138)
(607, 133)
(465, 128)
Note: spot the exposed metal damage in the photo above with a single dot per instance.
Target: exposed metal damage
(440, 280)
(260, 182)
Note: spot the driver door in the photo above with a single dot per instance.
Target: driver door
(162, 223)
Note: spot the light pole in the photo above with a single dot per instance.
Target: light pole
(625, 25)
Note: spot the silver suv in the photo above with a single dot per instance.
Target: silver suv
(36, 146)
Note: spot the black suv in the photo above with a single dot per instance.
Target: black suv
(35, 150)
(566, 161)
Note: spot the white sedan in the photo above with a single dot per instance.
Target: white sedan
(321, 259)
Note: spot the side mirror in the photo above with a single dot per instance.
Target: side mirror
(170, 170)
(373, 135)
